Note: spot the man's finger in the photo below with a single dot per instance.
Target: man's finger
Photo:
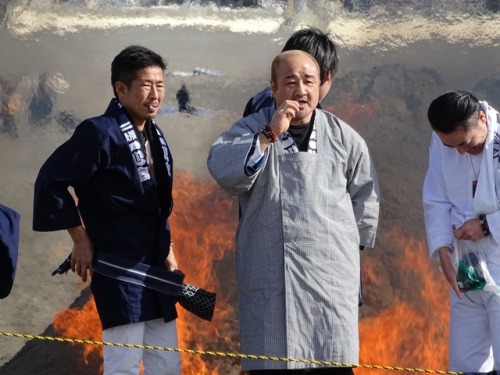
(457, 291)
(83, 273)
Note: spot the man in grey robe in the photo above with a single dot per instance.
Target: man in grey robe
(309, 198)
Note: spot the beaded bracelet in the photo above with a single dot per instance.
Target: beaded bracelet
(484, 224)
(270, 135)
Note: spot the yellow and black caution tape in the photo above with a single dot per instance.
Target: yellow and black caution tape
(223, 354)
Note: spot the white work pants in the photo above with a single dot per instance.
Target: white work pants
(474, 332)
(126, 361)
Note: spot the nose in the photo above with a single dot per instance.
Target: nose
(301, 88)
(462, 149)
(154, 92)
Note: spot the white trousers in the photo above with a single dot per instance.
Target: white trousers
(474, 332)
(126, 361)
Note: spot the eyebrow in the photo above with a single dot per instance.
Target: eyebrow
(295, 76)
(151, 81)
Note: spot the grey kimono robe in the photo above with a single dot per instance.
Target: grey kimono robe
(303, 218)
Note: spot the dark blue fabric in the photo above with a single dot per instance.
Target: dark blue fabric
(261, 100)
(9, 247)
(121, 214)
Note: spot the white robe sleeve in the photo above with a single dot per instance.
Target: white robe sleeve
(437, 205)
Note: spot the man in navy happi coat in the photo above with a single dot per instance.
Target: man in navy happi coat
(120, 168)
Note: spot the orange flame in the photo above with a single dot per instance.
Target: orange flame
(204, 223)
(82, 324)
(412, 333)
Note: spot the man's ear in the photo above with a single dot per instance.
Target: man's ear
(120, 88)
(482, 115)
(329, 77)
(273, 87)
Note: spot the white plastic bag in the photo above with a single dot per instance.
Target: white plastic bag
(471, 267)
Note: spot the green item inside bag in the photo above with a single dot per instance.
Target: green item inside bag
(470, 274)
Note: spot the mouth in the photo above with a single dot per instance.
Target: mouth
(302, 103)
(152, 108)
(473, 147)
(474, 151)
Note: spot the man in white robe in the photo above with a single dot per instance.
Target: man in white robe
(309, 198)
(461, 207)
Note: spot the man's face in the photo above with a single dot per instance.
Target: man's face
(470, 140)
(145, 94)
(297, 78)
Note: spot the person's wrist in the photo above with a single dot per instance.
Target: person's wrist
(444, 251)
(484, 225)
(270, 134)
(78, 234)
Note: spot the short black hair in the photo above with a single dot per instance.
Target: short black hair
(125, 65)
(452, 110)
(319, 45)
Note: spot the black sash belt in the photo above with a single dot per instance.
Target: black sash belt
(193, 299)
(161, 280)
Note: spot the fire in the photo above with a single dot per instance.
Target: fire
(82, 324)
(413, 332)
(406, 326)
(203, 227)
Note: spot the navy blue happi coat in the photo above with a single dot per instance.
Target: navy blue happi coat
(124, 206)
(9, 246)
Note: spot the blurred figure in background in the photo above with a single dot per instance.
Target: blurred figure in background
(184, 100)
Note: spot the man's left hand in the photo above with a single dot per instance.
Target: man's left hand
(471, 230)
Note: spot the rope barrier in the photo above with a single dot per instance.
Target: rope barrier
(223, 354)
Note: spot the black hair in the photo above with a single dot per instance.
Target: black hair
(125, 65)
(319, 45)
(452, 110)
